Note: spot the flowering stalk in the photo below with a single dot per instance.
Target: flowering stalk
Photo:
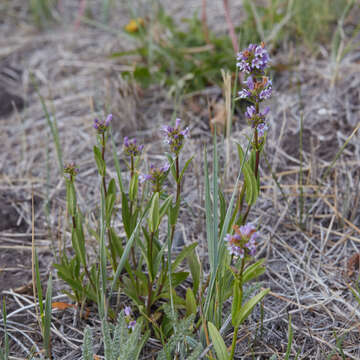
(129, 319)
(252, 62)
(257, 88)
(174, 137)
(102, 126)
(71, 170)
(132, 150)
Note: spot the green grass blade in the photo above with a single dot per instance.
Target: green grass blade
(127, 250)
(208, 213)
(290, 339)
(117, 164)
(47, 319)
(38, 286)
(102, 309)
(4, 354)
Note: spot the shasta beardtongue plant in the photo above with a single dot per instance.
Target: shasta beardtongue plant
(143, 243)
(252, 62)
(241, 240)
(141, 268)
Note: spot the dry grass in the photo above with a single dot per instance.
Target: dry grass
(306, 265)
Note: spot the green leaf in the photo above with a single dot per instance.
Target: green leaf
(38, 284)
(248, 307)
(191, 306)
(183, 254)
(219, 344)
(165, 206)
(125, 254)
(142, 75)
(80, 238)
(252, 189)
(195, 269)
(134, 185)
(154, 213)
(174, 213)
(71, 197)
(172, 165)
(222, 208)
(176, 279)
(110, 200)
(126, 215)
(99, 161)
(253, 271)
(184, 168)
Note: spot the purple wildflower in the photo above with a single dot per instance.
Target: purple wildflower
(156, 176)
(247, 229)
(266, 92)
(244, 93)
(256, 90)
(102, 125)
(132, 324)
(262, 128)
(247, 92)
(174, 136)
(144, 177)
(253, 59)
(127, 311)
(243, 241)
(131, 148)
(258, 119)
(250, 112)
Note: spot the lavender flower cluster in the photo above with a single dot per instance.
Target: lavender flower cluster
(130, 321)
(156, 176)
(257, 87)
(102, 125)
(174, 136)
(131, 148)
(243, 242)
(253, 59)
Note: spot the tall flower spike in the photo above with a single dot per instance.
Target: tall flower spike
(156, 176)
(174, 136)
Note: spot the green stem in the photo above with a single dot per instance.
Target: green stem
(236, 329)
(103, 145)
(172, 233)
(132, 172)
(257, 161)
(178, 185)
(233, 345)
(150, 274)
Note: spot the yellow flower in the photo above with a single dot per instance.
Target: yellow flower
(134, 25)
